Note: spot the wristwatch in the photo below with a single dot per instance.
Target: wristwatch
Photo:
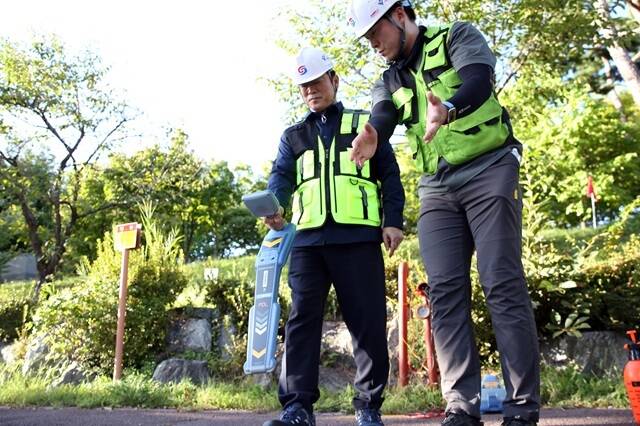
(452, 112)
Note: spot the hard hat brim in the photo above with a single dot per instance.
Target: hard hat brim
(360, 33)
(383, 11)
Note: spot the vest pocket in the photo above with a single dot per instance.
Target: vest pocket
(348, 167)
(357, 200)
(308, 166)
(475, 134)
(304, 198)
(434, 54)
(402, 100)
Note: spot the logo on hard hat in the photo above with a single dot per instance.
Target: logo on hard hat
(302, 70)
(373, 13)
(381, 2)
(351, 22)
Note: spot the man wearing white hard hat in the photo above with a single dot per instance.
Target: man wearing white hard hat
(342, 214)
(439, 85)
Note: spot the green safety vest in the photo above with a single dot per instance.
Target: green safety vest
(458, 142)
(327, 177)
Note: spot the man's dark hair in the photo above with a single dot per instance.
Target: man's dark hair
(408, 10)
(410, 13)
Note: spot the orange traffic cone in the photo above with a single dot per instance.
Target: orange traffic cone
(632, 374)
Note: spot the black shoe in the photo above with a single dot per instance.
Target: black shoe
(517, 421)
(294, 414)
(368, 417)
(461, 419)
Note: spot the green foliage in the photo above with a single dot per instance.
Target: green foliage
(569, 135)
(14, 301)
(322, 24)
(56, 117)
(569, 388)
(200, 199)
(80, 322)
(560, 388)
(232, 297)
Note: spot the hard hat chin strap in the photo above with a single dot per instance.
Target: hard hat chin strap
(403, 38)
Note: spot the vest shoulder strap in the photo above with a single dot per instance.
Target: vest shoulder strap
(353, 121)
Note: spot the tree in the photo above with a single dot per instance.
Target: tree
(615, 46)
(546, 52)
(634, 9)
(57, 117)
(191, 195)
(570, 133)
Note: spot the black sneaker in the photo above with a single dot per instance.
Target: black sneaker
(368, 417)
(517, 421)
(294, 414)
(461, 419)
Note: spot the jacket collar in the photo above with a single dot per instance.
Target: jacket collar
(332, 111)
(413, 60)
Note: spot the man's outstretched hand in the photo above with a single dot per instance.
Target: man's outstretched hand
(364, 145)
(436, 116)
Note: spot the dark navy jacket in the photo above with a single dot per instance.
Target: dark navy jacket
(384, 168)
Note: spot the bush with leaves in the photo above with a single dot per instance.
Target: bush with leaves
(12, 315)
(80, 322)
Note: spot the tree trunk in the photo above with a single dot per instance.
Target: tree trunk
(618, 53)
(615, 98)
(634, 9)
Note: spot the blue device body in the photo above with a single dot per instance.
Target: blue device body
(264, 316)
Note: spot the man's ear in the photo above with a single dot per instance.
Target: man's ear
(336, 82)
(399, 14)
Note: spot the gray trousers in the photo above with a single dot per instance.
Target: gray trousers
(486, 215)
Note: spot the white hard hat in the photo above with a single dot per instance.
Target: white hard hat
(363, 14)
(310, 64)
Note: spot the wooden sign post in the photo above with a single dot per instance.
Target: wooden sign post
(125, 238)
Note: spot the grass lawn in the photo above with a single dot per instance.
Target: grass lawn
(560, 388)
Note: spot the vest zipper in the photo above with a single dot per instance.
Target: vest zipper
(327, 183)
(365, 203)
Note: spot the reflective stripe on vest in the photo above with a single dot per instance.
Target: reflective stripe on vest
(354, 195)
(459, 141)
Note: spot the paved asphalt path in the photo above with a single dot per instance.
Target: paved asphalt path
(131, 417)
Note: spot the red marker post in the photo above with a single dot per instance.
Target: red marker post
(403, 317)
(125, 238)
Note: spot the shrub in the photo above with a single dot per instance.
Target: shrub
(80, 322)
(12, 314)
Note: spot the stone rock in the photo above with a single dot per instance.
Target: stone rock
(21, 267)
(35, 357)
(264, 380)
(177, 369)
(224, 340)
(71, 375)
(336, 378)
(201, 313)
(268, 380)
(189, 330)
(7, 353)
(336, 338)
(393, 334)
(596, 352)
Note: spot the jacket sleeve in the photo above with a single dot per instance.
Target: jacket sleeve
(282, 179)
(388, 173)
